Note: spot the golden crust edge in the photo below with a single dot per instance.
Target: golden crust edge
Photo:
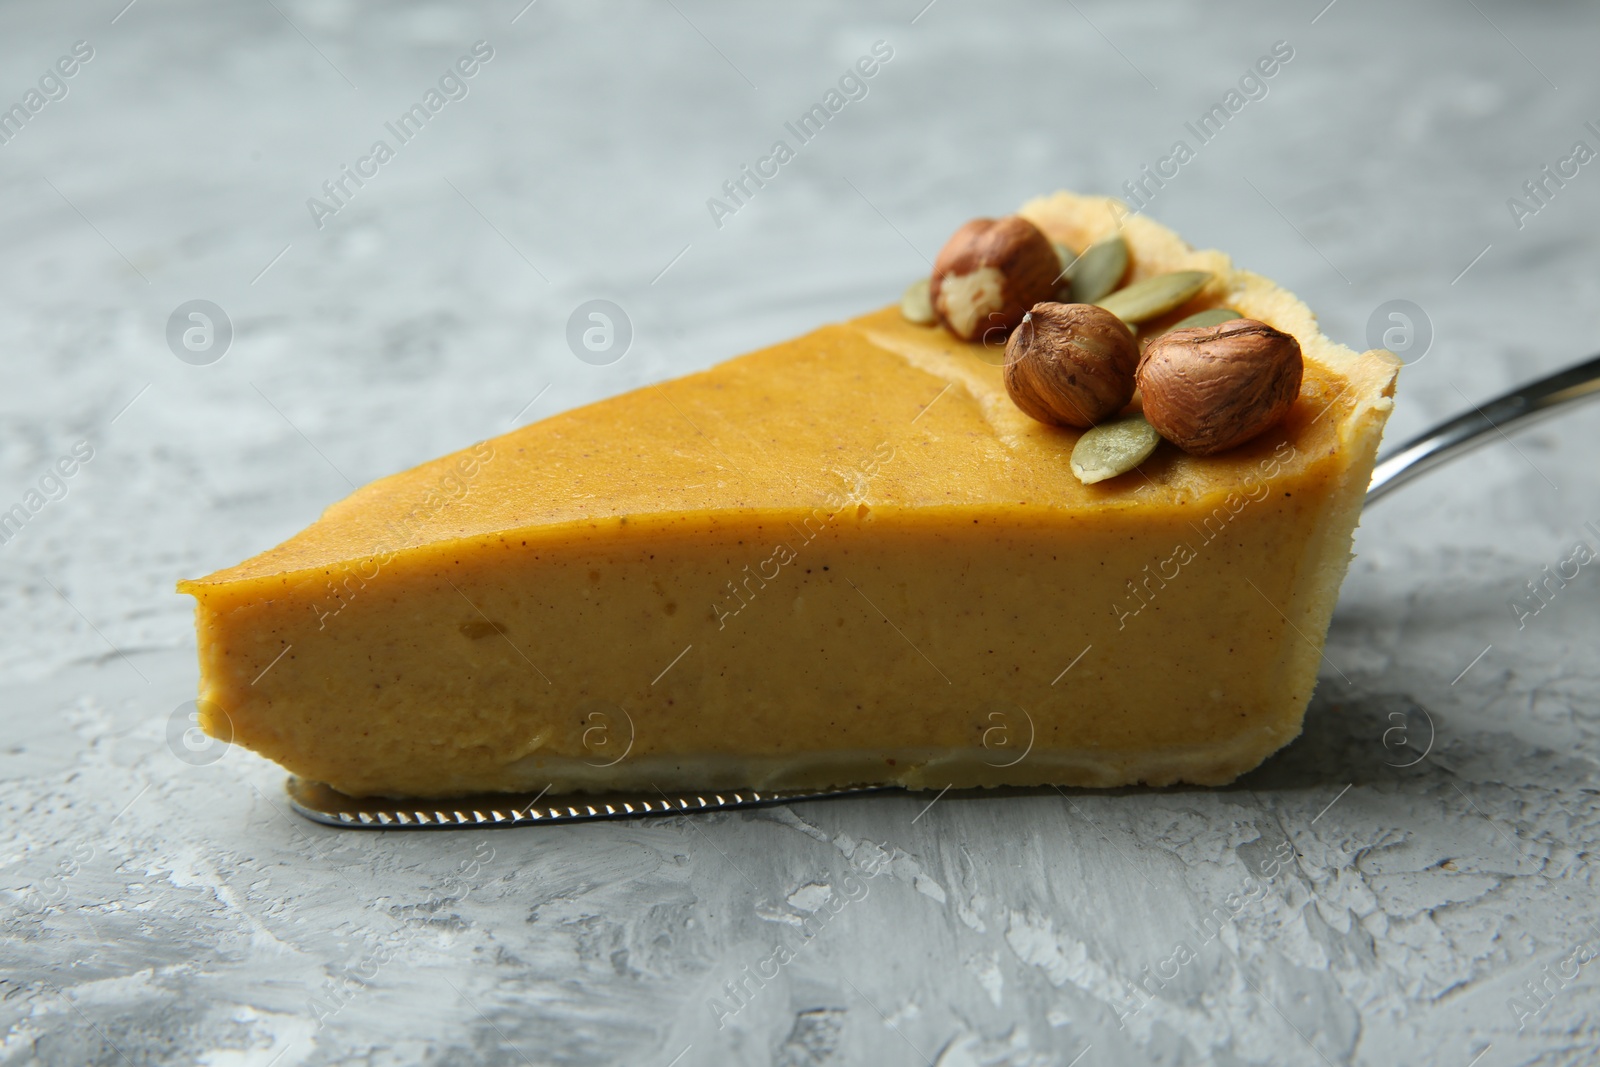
(907, 767)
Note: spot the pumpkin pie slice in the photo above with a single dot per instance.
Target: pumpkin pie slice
(846, 559)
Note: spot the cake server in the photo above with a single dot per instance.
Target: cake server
(1484, 424)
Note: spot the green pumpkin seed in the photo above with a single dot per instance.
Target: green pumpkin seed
(1065, 254)
(915, 304)
(1113, 448)
(1155, 296)
(1098, 270)
(1208, 317)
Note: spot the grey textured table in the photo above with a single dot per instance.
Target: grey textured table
(158, 903)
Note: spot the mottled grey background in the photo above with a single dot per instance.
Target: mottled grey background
(155, 909)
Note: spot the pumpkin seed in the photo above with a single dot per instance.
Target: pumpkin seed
(1155, 296)
(915, 304)
(1098, 270)
(1208, 317)
(1113, 448)
(1065, 254)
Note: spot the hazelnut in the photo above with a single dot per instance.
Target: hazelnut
(989, 274)
(1071, 364)
(1210, 388)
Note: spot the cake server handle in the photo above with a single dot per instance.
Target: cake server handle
(1484, 424)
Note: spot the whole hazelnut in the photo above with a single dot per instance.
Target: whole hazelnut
(989, 274)
(1071, 364)
(1211, 388)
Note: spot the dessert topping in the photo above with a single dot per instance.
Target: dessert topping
(989, 274)
(915, 305)
(1209, 388)
(1099, 270)
(1155, 296)
(1071, 364)
(1113, 448)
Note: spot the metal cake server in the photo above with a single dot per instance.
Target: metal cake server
(1482, 425)
(320, 803)
(1517, 409)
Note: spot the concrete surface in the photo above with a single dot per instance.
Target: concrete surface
(1380, 893)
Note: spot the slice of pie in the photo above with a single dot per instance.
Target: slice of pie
(845, 559)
